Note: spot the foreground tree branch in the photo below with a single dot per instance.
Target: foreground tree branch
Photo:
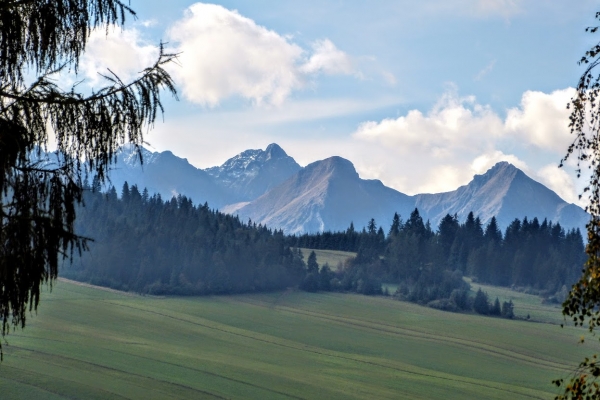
(583, 303)
(38, 193)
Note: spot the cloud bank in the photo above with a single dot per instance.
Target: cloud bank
(224, 54)
(123, 51)
(459, 137)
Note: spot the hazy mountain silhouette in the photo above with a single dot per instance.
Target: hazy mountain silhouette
(506, 192)
(325, 195)
(269, 187)
(168, 175)
(243, 177)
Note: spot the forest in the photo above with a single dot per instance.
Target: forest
(542, 256)
(145, 244)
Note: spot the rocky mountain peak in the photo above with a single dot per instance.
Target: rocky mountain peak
(501, 169)
(128, 154)
(252, 172)
(335, 164)
(275, 151)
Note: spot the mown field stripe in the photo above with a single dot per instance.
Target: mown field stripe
(396, 330)
(49, 359)
(324, 352)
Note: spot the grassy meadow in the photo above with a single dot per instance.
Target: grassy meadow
(332, 257)
(96, 344)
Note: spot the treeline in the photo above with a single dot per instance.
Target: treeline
(147, 245)
(429, 265)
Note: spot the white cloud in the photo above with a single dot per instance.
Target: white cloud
(486, 161)
(224, 54)
(148, 23)
(389, 78)
(459, 137)
(123, 51)
(560, 181)
(542, 120)
(485, 71)
(328, 59)
(454, 123)
(476, 8)
(442, 178)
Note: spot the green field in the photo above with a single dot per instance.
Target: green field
(525, 304)
(332, 257)
(96, 344)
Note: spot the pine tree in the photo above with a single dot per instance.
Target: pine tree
(311, 263)
(492, 232)
(372, 227)
(480, 303)
(495, 309)
(447, 231)
(396, 225)
(508, 309)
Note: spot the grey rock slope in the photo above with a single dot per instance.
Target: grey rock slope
(506, 192)
(328, 195)
(252, 173)
(325, 195)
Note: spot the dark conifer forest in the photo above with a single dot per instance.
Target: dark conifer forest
(144, 244)
(428, 265)
(147, 245)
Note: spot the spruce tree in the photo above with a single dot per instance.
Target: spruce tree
(480, 303)
(396, 225)
(311, 263)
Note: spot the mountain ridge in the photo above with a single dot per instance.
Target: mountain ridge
(270, 187)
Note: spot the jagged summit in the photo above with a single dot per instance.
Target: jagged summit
(251, 173)
(275, 151)
(129, 155)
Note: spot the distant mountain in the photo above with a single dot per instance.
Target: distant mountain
(252, 173)
(269, 187)
(505, 192)
(325, 195)
(168, 175)
(241, 178)
(328, 195)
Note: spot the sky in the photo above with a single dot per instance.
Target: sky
(419, 94)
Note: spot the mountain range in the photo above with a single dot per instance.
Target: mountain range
(270, 187)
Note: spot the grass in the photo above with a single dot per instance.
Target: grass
(95, 344)
(525, 304)
(332, 257)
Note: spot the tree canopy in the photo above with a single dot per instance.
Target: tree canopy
(38, 193)
(583, 303)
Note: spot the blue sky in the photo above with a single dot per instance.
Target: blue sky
(421, 95)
